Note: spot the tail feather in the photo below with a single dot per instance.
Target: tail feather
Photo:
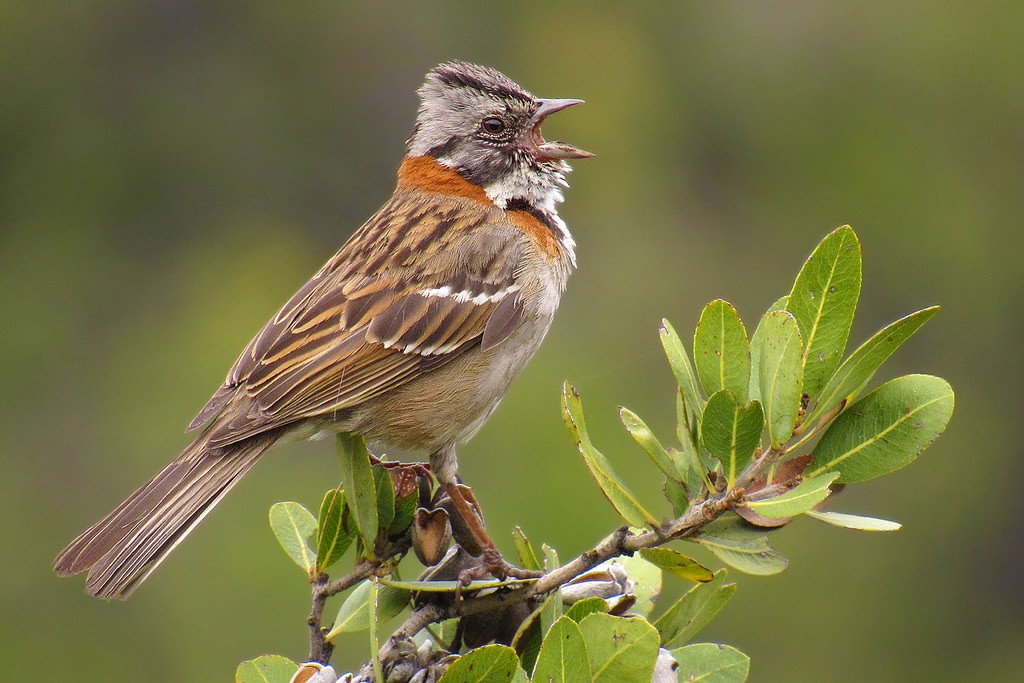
(123, 548)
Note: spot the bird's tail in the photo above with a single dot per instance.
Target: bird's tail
(123, 548)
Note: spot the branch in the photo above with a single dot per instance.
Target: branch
(622, 541)
(319, 649)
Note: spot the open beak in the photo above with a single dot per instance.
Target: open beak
(547, 151)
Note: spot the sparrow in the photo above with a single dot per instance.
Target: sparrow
(408, 336)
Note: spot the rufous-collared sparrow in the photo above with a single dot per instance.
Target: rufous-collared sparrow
(408, 336)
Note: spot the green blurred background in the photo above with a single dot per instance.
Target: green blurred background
(170, 171)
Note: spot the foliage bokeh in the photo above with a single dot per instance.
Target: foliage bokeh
(170, 172)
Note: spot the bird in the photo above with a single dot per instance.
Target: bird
(408, 336)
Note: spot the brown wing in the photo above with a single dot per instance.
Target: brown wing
(391, 305)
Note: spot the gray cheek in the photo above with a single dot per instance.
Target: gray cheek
(484, 165)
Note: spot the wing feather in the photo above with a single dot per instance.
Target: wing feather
(391, 305)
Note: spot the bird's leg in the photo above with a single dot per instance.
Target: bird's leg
(493, 563)
(443, 465)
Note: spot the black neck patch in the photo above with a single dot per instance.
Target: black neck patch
(521, 204)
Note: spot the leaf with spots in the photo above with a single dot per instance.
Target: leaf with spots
(780, 371)
(563, 654)
(721, 351)
(823, 301)
(585, 607)
(620, 649)
(886, 430)
(756, 341)
(711, 663)
(857, 370)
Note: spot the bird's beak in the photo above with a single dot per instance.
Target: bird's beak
(547, 151)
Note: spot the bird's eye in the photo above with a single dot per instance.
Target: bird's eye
(492, 125)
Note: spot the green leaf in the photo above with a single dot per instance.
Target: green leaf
(390, 602)
(692, 612)
(756, 342)
(385, 496)
(797, 500)
(527, 555)
(646, 579)
(854, 521)
(730, 432)
(711, 663)
(677, 564)
(551, 561)
(741, 547)
(621, 499)
(551, 611)
(585, 607)
(375, 619)
(692, 460)
(683, 370)
(266, 669)
(405, 510)
(886, 430)
(356, 612)
(295, 529)
(332, 538)
(678, 494)
(444, 631)
(642, 434)
(487, 664)
(621, 649)
(682, 426)
(357, 480)
(528, 636)
(721, 351)
(781, 375)
(857, 370)
(823, 301)
(563, 655)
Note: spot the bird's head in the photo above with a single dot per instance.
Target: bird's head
(479, 122)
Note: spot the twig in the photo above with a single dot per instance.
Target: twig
(319, 649)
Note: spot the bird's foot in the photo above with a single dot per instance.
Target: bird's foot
(493, 564)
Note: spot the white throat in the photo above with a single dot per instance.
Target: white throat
(542, 191)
